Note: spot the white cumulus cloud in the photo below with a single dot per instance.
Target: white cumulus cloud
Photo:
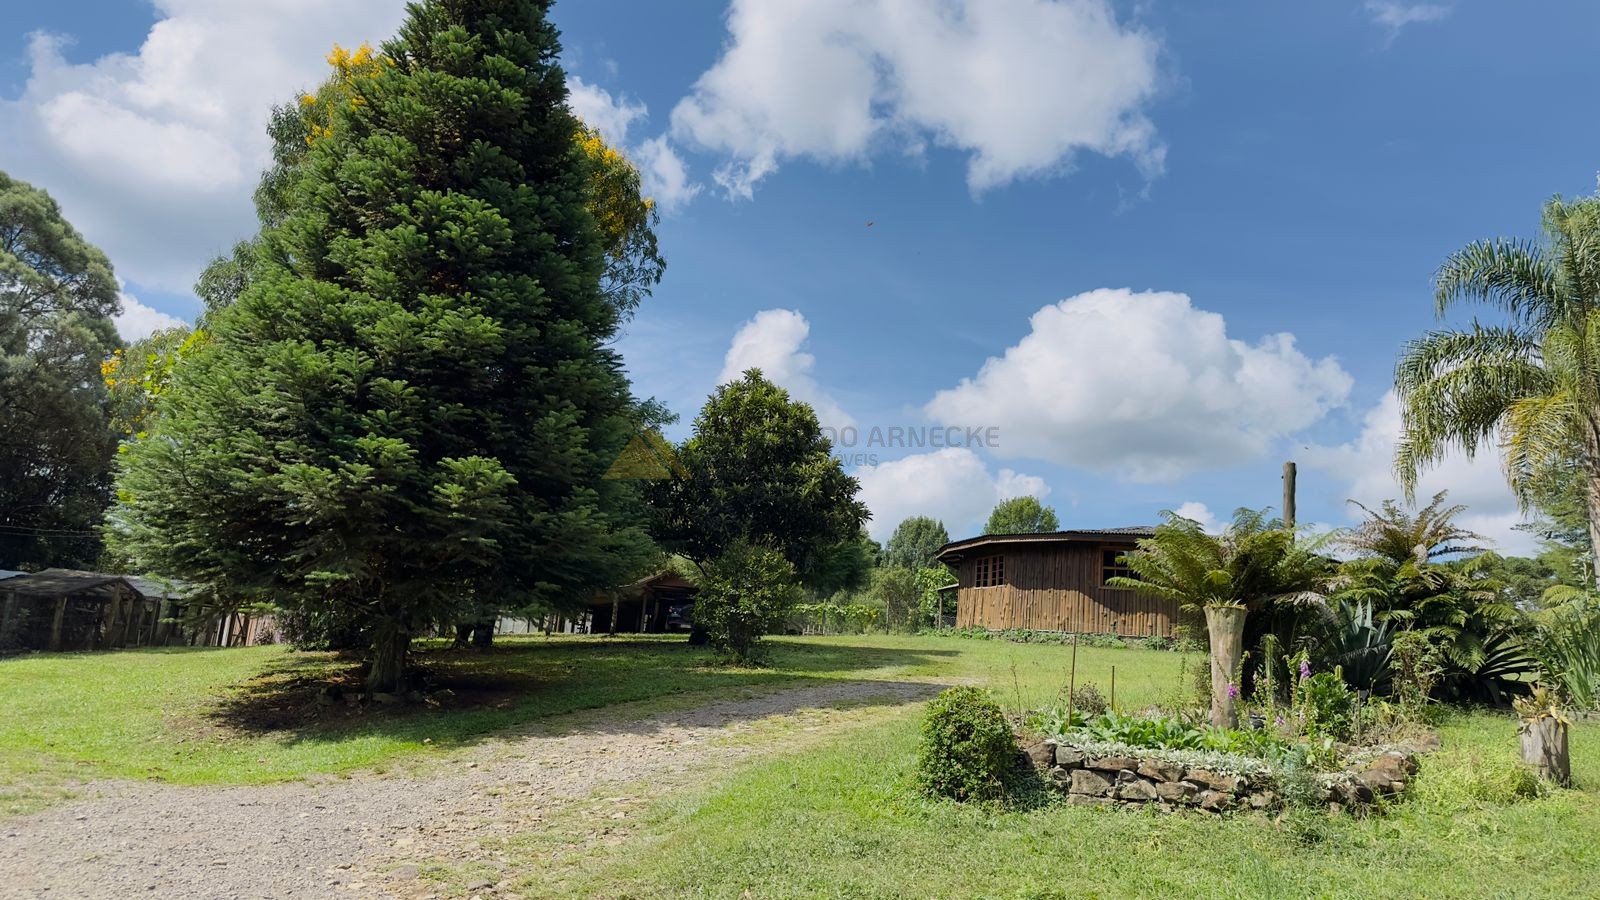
(153, 154)
(1018, 85)
(772, 341)
(1199, 512)
(137, 321)
(662, 172)
(1144, 386)
(952, 485)
(1364, 468)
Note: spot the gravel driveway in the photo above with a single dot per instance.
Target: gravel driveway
(365, 836)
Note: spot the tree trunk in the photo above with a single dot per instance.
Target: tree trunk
(1225, 624)
(483, 634)
(1544, 746)
(388, 672)
(1594, 524)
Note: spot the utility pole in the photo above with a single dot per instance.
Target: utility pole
(1288, 495)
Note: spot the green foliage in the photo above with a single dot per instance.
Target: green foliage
(138, 374)
(1087, 699)
(1255, 564)
(745, 593)
(1402, 570)
(1567, 645)
(896, 589)
(1158, 643)
(931, 600)
(57, 297)
(412, 404)
(1356, 645)
(968, 751)
(836, 615)
(1021, 515)
(914, 543)
(1531, 386)
(759, 470)
(1324, 706)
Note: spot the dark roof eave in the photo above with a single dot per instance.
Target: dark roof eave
(956, 549)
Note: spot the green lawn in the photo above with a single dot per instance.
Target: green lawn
(837, 819)
(250, 715)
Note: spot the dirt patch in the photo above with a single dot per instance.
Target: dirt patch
(371, 836)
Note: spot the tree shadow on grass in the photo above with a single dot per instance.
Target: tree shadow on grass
(521, 685)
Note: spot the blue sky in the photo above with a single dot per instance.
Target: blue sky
(1091, 223)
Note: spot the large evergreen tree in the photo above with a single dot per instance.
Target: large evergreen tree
(57, 296)
(410, 406)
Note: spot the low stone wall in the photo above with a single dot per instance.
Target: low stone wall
(1089, 778)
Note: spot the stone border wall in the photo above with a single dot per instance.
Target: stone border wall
(1090, 780)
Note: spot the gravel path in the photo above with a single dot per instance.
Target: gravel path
(366, 836)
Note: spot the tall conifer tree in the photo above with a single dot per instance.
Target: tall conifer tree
(411, 405)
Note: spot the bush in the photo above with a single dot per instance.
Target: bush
(1325, 706)
(745, 593)
(1157, 642)
(1088, 700)
(968, 750)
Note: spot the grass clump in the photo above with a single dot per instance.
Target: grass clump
(968, 750)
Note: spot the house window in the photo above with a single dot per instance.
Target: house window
(991, 571)
(1112, 566)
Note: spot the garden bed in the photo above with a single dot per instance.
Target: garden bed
(1101, 773)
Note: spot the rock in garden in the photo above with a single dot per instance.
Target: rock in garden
(1160, 771)
(1068, 757)
(1090, 783)
(1217, 781)
(1216, 801)
(1137, 789)
(1176, 791)
(1041, 753)
(1263, 800)
(1113, 763)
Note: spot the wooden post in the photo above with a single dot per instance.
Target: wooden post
(615, 608)
(1288, 495)
(1072, 677)
(1113, 688)
(60, 620)
(1544, 746)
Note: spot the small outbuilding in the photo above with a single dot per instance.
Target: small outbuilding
(1055, 581)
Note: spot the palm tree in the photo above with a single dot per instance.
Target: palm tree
(1254, 573)
(1532, 384)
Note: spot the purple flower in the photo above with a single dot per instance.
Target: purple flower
(1305, 669)
(1279, 721)
(1233, 691)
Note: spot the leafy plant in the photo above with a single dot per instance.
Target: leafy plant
(1324, 706)
(1358, 646)
(1568, 650)
(1087, 699)
(968, 750)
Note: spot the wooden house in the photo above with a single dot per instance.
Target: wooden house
(1054, 581)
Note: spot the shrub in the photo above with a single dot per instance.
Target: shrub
(968, 750)
(745, 593)
(1157, 642)
(1088, 700)
(1325, 706)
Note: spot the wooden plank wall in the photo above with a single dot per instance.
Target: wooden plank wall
(1057, 588)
